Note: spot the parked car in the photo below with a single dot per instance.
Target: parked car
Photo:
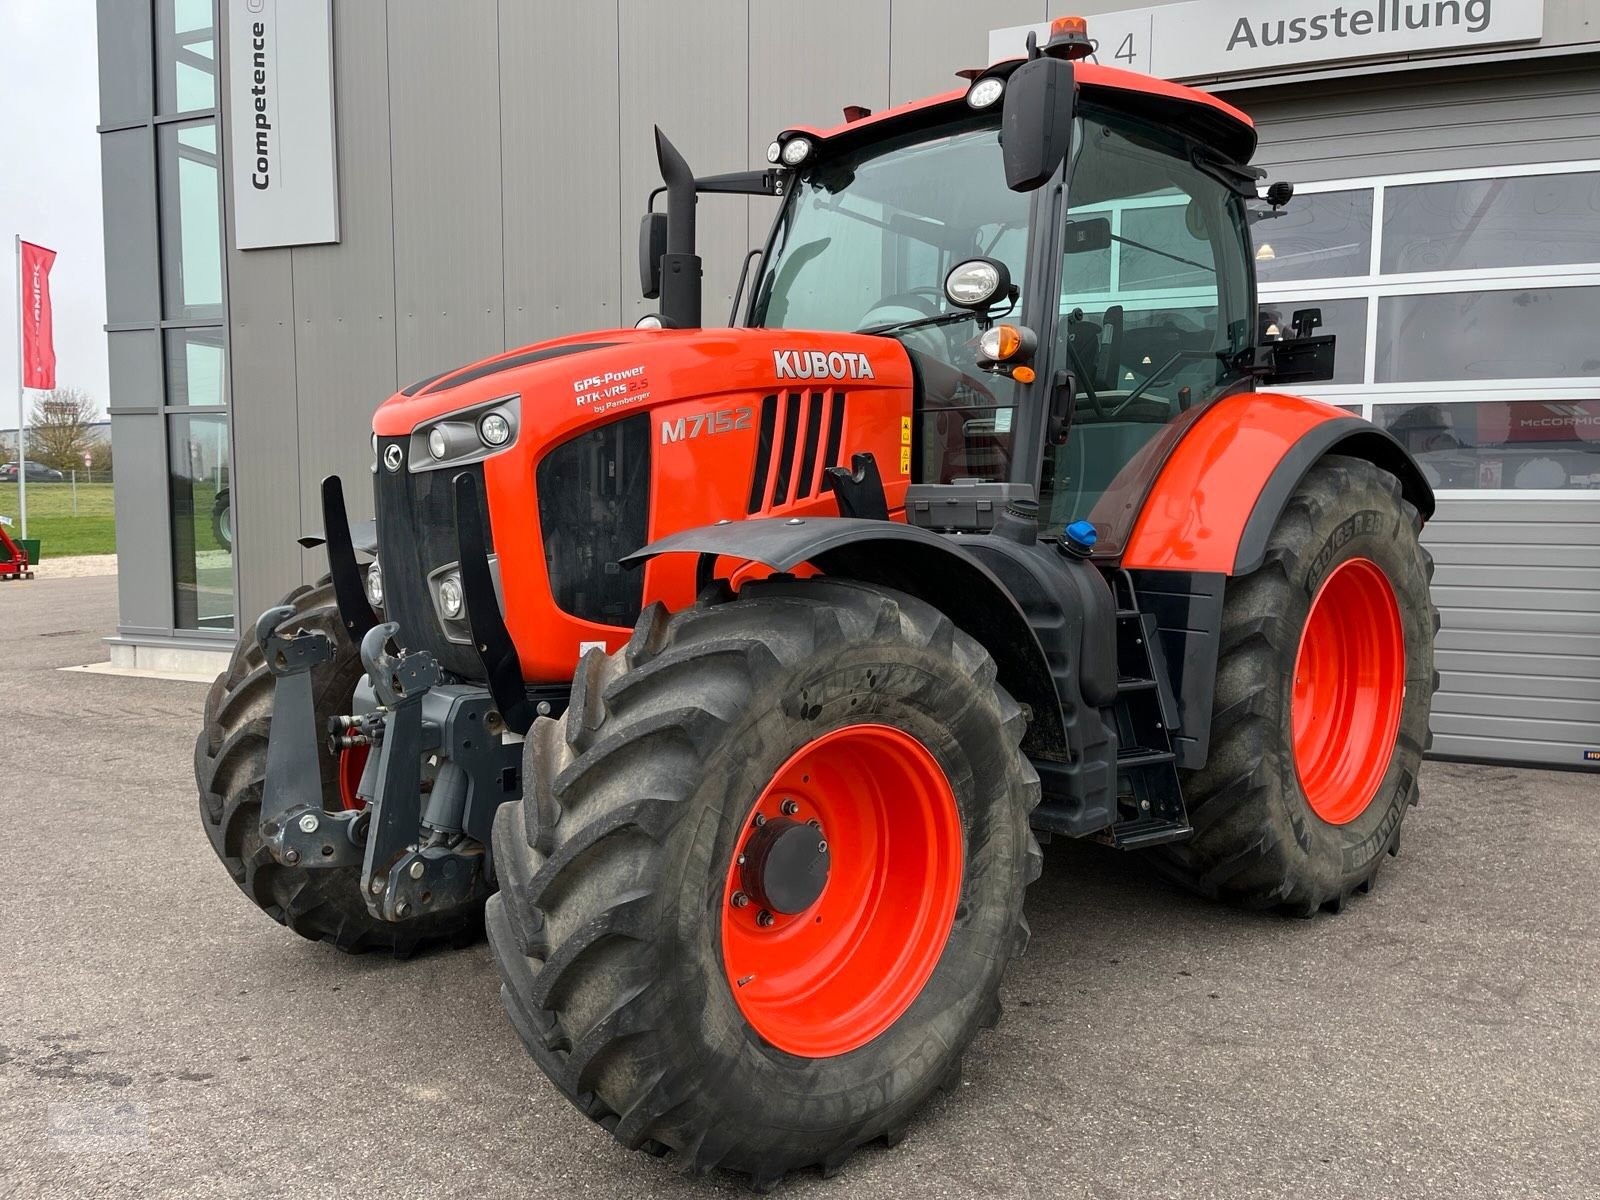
(37, 473)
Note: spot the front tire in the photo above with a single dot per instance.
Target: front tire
(1324, 687)
(625, 927)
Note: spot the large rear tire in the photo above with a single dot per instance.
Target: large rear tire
(1323, 693)
(230, 761)
(767, 1023)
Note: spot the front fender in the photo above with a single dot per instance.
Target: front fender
(908, 559)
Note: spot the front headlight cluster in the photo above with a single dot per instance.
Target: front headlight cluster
(466, 437)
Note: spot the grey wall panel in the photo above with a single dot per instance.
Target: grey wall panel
(1517, 583)
(144, 580)
(838, 70)
(127, 170)
(684, 67)
(126, 64)
(560, 147)
(1436, 120)
(344, 332)
(134, 359)
(444, 105)
(266, 470)
(933, 39)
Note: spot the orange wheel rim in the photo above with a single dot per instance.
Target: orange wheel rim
(352, 764)
(1349, 685)
(842, 890)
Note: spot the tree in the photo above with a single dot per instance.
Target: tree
(61, 429)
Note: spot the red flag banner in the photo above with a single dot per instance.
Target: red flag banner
(38, 334)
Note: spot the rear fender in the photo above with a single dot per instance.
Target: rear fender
(908, 559)
(1221, 490)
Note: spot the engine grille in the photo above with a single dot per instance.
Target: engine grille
(788, 451)
(417, 536)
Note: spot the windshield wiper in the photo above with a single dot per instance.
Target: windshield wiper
(949, 318)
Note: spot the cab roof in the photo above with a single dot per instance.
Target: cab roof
(1197, 114)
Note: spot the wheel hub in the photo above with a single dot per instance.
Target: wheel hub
(785, 866)
(842, 890)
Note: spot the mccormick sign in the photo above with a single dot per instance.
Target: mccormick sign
(1204, 38)
(280, 107)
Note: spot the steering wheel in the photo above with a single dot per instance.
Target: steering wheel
(924, 299)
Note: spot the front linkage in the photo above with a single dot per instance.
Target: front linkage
(443, 760)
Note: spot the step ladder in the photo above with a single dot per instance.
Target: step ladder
(1150, 798)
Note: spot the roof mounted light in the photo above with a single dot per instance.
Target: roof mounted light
(1069, 39)
(986, 91)
(773, 151)
(796, 150)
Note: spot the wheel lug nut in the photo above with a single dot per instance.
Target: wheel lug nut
(741, 860)
(764, 918)
(789, 808)
(761, 819)
(740, 900)
(822, 847)
(814, 823)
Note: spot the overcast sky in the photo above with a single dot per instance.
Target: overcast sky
(50, 184)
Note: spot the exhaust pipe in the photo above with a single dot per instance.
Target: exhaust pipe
(680, 266)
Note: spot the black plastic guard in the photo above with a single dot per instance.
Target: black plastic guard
(355, 614)
(501, 666)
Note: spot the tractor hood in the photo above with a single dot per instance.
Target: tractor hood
(569, 383)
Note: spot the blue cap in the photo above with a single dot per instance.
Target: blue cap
(1081, 536)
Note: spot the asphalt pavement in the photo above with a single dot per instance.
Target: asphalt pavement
(161, 1037)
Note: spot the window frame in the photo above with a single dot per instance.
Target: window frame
(1375, 286)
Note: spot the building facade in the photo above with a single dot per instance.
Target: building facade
(491, 160)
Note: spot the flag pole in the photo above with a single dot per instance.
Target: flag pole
(22, 454)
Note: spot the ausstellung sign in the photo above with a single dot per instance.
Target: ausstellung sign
(280, 93)
(1229, 37)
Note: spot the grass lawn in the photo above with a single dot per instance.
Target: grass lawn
(92, 530)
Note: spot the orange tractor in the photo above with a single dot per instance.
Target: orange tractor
(733, 675)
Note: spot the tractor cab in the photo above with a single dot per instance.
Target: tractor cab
(1058, 320)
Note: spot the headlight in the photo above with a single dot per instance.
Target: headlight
(973, 284)
(985, 92)
(451, 601)
(438, 444)
(494, 429)
(375, 585)
(795, 150)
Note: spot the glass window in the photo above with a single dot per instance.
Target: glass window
(186, 56)
(191, 220)
(1344, 319)
(1518, 444)
(195, 367)
(1524, 333)
(202, 521)
(1474, 224)
(1321, 235)
(867, 240)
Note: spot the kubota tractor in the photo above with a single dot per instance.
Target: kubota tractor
(738, 670)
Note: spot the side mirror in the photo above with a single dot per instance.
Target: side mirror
(1036, 124)
(652, 245)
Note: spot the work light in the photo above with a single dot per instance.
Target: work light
(986, 91)
(374, 585)
(795, 151)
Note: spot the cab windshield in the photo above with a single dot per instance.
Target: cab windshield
(866, 241)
